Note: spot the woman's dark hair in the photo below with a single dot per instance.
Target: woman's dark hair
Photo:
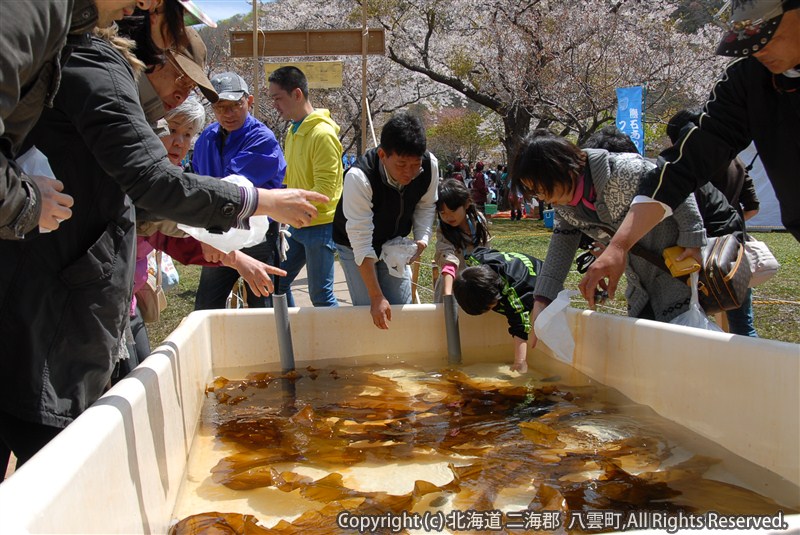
(611, 139)
(454, 194)
(174, 24)
(477, 288)
(548, 161)
(404, 135)
(137, 28)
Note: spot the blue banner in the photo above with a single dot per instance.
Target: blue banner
(630, 114)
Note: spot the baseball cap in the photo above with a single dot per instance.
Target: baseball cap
(230, 86)
(192, 61)
(752, 24)
(194, 15)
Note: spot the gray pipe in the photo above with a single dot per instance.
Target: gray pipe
(281, 307)
(451, 327)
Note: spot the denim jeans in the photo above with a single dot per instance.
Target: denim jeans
(312, 247)
(216, 282)
(396, 290)
(740, 320)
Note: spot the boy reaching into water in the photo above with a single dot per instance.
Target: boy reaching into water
(502, 282)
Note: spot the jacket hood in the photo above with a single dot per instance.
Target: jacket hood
(319, 115)
(84, 17)
(599, 166)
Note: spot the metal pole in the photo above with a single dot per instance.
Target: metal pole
(451, 327)
(256, 73)
(284, 330)
(364, 48)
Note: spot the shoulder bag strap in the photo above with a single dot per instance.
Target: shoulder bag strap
(158, 268)
(640, 251)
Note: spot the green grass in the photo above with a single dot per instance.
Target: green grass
(776, 303)
(180, 302)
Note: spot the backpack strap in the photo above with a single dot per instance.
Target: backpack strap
(753, 161)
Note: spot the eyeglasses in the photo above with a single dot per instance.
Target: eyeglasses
(182, 82)
(225, 107)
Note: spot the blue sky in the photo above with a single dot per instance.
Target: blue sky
(223, 9)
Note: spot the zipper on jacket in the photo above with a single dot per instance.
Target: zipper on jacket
(400, 214)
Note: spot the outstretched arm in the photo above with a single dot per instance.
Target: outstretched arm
(520, 355)
(256, 273)
(379, 306)
(605, 272)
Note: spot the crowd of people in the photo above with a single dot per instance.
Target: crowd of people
(110, 107)
(69, 88)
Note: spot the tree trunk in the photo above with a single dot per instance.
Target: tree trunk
(516, 123)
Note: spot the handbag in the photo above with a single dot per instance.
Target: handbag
(762, 261)
(725, 273)
(150, 298)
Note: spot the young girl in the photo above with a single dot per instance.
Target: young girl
(461, 228)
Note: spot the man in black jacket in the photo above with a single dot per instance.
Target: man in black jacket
(757, 99)
(35, 40)
(65, 297)
(388, 192)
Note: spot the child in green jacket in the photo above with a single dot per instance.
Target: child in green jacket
(502, 282)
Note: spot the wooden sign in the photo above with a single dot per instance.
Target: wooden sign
(320, 74)
(292, 43)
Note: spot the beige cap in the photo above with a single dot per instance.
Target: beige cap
(193, 61)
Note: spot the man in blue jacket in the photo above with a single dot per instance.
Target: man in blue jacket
(237, 144)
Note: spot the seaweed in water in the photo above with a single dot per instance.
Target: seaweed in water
(558, 448)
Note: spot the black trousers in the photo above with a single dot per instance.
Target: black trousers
(22, 438)
(137, 351)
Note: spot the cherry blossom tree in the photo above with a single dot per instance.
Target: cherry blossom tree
(532, 63)
(550, 63)
(390, 87)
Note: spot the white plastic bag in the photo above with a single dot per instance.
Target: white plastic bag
(235, 238)
(551, 327)
(34, 162)
(397, 253)
(169, 275)
(762, 262)
(695, 316)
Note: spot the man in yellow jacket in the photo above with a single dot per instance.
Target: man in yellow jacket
(313, 161)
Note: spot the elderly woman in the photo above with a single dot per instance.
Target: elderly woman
(179, 128)
(591, 191)
(176, 131)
